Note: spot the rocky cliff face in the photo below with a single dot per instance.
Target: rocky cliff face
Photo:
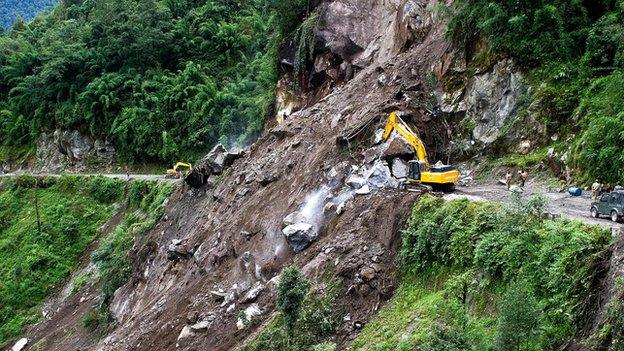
(323, 162)
(71, 151)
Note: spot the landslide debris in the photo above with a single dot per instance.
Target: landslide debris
(203, 265)
(211, 165)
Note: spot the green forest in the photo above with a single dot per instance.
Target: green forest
(573, 53)
(161, 79)
(481, 276)
(14, 10)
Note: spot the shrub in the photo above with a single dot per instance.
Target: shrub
(491, 255)
(291, 291)
(105, 190)
(113, 261)
(91, 320)
(532, 33)
(316, 318)
(326, 346)
(518, 319)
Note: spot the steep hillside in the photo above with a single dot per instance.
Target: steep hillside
(49, 228)
(377, 267)
(14, 9)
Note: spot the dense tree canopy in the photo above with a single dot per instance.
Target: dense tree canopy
(160, 78)
(26, 9)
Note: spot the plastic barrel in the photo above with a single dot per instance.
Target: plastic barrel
(575, 191)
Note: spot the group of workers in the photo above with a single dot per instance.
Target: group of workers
(599, 188)
(522, 177)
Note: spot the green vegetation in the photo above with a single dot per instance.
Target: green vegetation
(45, 226)
(37, 258)
(573, 53)
(481, 276)
(292, 289)
(13, 10)
(307, 317)
(144, 208)
(162, 79)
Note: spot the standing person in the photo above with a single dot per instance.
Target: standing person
(595, 188)
(522, 177)
(508, 178)
(563, 183)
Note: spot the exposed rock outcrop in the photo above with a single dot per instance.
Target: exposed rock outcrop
(490, 102)
(71, 151)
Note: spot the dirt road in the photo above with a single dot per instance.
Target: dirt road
(558, 203)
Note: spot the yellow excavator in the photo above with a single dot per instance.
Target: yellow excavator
(438, 176)
(176, 171)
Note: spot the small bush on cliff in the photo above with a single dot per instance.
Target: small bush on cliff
(105, 190)
(112, 257)
(518, 319)
(291, 291)
(307, 316)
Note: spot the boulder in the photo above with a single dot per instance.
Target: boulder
(247, 316)
(368, 274)
(365, 190)
(186, 332)
(20, 344)
(299, 236)
(73, 144)
(201, 326)
(177, 250)
(219, 294)
(293, 218)
(232, 156)
(216, 158)
(214, 163)
(253, 293)
(267, 179)
(379, 176)
(356, 181)
(282, 131)
(70, 149)
(400, 168)
(398, 147)
(490, 100)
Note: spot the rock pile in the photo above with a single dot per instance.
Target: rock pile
(214, 163)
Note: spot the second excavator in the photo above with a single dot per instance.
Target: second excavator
(438, 176)
(177, 170)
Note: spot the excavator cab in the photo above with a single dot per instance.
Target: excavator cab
(415, 169)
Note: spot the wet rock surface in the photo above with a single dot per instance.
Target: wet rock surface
(299, 236)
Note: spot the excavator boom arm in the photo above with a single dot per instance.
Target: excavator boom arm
(395, 123)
